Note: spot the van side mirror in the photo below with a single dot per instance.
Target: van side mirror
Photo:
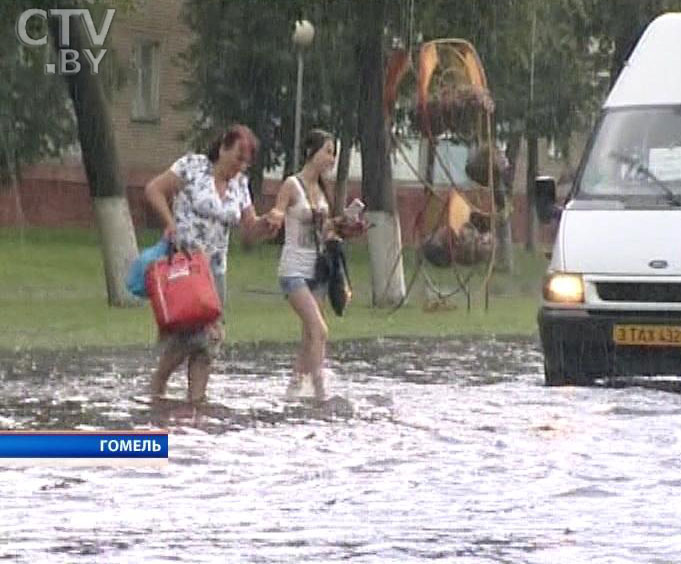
(545, 198)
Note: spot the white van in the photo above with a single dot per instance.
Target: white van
(612, 295)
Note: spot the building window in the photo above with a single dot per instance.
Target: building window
(145, 104)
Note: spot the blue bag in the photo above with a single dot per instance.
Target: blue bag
(135, 278)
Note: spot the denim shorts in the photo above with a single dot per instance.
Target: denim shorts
(290, 284)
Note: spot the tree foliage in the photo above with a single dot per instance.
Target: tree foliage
(241, 70)
(540, 72)
(548, 65)
(37, 120)
(617, 25)
(242, 66)
(35, 117)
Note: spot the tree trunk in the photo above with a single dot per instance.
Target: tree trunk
(504, 258)
(256, 173)
(9, 161)
(348, 134)
(107, 188)
(256, 178)
(430, 162)
(504, 261)
(385, 245)
(18, 205)
(119, 246)
(512, 152)
(341, 189)
(502, 196)
(532, 158)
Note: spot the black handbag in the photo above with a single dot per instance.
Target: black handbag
(322, 268)
(340, 288)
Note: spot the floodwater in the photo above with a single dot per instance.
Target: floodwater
(447, 450)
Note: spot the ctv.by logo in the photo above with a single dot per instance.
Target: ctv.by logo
(67, 59)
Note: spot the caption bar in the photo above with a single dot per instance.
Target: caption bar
(83, 448)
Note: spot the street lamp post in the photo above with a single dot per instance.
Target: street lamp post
(302, 37)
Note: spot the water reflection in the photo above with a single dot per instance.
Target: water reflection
(444, 449)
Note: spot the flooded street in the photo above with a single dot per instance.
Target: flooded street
(433, 449)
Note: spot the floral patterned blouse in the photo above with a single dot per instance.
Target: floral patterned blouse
(204, 219)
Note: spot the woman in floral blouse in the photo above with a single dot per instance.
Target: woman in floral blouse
(209, 195)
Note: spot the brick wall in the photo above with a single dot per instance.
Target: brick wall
(58, 196)
(150, 144)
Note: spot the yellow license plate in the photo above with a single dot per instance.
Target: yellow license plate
(647, 335)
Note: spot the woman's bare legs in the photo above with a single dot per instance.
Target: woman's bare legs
(320, 376)
(198, 365)
(315, 333)
(197, 373)
(170, 359)
(198, 370)
(200, 362)
(300, 367)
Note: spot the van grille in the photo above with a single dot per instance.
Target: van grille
(639, 291)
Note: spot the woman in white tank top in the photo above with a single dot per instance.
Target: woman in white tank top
(301, 198)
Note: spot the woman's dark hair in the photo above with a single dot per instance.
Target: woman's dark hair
(234, 133)
(315, 140)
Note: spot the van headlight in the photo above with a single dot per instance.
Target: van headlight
(564, 288)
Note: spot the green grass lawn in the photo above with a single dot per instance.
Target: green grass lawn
(53, 295)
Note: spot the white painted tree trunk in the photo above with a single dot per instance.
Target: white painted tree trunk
(118, 244)
(385, 259)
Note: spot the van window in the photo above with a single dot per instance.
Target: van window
(634, 152)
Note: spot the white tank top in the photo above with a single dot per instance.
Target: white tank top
(299, 252)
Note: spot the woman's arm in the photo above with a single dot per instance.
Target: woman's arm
(159, 192)
(330, 229)
(275, 217)
(256, 227)
(343, 227)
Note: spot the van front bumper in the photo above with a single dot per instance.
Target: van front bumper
(583, 340)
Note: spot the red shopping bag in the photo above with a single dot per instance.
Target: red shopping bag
(182, 292)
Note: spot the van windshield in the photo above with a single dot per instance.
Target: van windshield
(636, 152)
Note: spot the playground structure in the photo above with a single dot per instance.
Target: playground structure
(457, 228)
